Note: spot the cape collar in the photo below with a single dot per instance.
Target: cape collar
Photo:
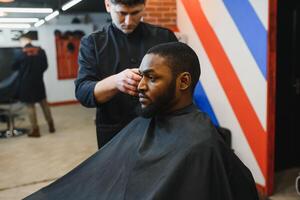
(188, 109)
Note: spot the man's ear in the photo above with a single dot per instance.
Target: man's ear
(185, 80)
(107, 5)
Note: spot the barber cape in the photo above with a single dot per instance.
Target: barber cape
(176, 156)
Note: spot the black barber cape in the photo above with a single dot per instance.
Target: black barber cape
(178, 156)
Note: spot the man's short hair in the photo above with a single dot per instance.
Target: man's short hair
(180, 58)
(128, 2)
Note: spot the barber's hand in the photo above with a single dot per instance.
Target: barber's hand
(128, 80)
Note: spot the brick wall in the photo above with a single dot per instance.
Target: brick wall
(161, 12)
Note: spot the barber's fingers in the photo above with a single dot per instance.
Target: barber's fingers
(132, 82)
(134, 74)
(136, 70)
(128, 80)
(131, 90)
(128, 89)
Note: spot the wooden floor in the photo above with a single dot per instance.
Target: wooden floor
(28, 164)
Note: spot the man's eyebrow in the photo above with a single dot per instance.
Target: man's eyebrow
(130, 13)
(146, 71)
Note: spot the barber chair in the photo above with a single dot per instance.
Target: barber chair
(10, 107)
(297, 184)
(225, 134)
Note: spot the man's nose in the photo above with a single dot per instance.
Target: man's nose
(142, 85)
(128, 19)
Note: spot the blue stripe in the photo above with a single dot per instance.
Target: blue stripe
(203, 104)
(251, 29)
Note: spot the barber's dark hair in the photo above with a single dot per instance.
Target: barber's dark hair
(180, 58)
(128, 2)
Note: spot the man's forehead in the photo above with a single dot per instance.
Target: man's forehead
(152, 63)
(147, 63)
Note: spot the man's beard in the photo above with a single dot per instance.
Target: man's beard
(160, 105)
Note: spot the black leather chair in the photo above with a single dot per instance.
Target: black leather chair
(297, 184)
(9, 105)
(225, 134)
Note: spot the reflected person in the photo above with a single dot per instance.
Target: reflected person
(31, 65)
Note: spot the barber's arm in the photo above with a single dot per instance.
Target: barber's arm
(87, 73)
(125, 81)
(90, 90)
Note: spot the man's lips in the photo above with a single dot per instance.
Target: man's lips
(143, 98)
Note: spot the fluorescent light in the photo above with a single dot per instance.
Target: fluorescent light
(19, 20)
(70, 4)
(52, 15)
(39, 23)
(16, 26)
(26, 10)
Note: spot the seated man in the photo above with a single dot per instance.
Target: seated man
(172, 152)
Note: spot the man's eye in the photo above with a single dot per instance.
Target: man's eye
(135, 13)
(152, 78)
(123, 13)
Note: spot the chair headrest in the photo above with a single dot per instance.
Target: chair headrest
(9, 80)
